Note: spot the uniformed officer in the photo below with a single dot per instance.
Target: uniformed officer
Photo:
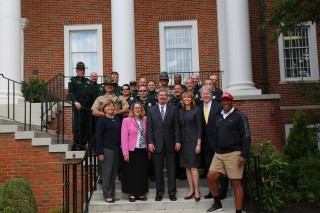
(96, 89)
(143, 98)
(80, 93)
(133, 88)
(121, 107)
(176, 100)
(152, 94)
(164, 83)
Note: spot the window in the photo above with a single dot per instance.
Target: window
(298, 54)
(179, 46)
(83, 43)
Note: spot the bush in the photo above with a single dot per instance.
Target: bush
(56, 210)
(305, 179)
(301, 141)
(16, 196)
(274, 176)
(32, 90)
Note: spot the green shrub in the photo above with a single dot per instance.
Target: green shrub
(32, 89)
(301, 141)
(16, 196)
(274, 176)
(305, 179)
(56, 210)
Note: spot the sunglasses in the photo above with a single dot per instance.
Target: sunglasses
(142, 90)
(126, 89)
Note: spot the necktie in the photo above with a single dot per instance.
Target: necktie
(162, 113)
(206, 113)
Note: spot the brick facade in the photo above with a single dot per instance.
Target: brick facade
(43, 170)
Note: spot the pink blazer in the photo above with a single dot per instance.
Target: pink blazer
(129, 134)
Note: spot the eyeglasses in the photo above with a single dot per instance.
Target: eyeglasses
(126, 89)
(142, 90)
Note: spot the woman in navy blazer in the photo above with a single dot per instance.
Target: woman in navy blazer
(134, 149)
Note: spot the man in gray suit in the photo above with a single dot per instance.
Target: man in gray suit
(163, 135)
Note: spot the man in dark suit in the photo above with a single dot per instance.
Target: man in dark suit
(163, 136)
(210, 109)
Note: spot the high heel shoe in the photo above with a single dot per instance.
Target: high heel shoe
(197, 198)
(188, 197)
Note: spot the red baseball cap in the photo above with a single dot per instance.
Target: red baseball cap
(227, 95)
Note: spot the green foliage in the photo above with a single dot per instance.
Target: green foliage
(289, 14)
(309, 91)
(305, 179)
(56, 210)
(32, 89)
(273, 166)
(301, 141)
(16, 196)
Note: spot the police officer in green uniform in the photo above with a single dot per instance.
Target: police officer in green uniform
(80, 93)
(164, 83)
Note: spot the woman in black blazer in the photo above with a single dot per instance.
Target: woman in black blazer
(191, 130)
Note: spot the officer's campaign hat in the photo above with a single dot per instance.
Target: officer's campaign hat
(80, 65)
(109, 80)
(164, 76)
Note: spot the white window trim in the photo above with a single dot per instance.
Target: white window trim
(194, 36)
(313, 56)
(67, 29)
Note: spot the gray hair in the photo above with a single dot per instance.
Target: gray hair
(163, 90)
(205, 87)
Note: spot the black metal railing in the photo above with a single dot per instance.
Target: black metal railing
(252, 184)
(53, 99)
(13, 94)
(80, 179)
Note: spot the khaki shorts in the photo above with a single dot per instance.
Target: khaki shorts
(227, 164)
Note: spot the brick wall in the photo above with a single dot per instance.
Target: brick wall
(41, 169)
(265, 120)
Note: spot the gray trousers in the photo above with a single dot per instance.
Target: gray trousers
(109, 172)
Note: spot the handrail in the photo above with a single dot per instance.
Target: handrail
(11, 98)
(80, 179)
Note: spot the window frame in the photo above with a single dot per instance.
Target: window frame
(67, 58)
(313, 54)
(193, 24)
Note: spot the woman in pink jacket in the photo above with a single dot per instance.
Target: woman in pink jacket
(134, 149)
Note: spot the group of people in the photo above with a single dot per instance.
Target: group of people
(186, 125)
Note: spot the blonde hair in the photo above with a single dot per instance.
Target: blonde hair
(131, 114)
(107, 103)
(188, 94)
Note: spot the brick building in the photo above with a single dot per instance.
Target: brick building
(40, 39)
(142, 38)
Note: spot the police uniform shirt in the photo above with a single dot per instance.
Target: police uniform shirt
(101, 99)
(176, 102)
(147, 103)
(80, 90)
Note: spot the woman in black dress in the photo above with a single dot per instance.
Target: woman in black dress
(190, 122)
(107, 147)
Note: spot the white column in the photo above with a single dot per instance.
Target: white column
(10, 43)
(123, 40)
(223, 48)
(239, 49)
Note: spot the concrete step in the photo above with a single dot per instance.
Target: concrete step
(182, 191)
(225, 210)
(159, 206)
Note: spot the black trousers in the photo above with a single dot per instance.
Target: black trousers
(158, 162)
(81, 126)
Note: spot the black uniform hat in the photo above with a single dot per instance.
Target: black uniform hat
(80, 65)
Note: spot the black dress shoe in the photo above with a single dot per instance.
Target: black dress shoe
(208, 196)
(158, 198)
(172, 197)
